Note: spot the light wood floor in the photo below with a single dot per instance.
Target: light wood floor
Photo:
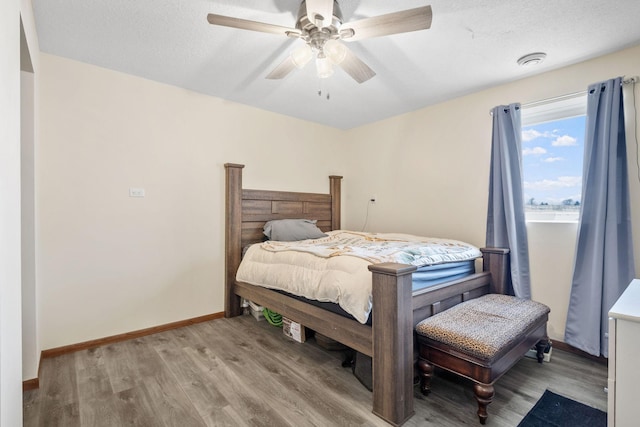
(239, 372)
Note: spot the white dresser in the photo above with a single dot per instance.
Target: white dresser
(624, 359)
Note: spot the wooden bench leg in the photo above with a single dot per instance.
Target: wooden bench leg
(426, 372)
(484, 395)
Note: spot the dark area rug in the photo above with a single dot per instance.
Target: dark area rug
(553, 410)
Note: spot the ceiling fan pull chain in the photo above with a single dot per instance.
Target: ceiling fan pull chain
(320, 84)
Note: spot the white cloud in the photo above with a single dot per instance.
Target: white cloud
(553, 159)
(534, 150)
(564, 141)
(531, 134)
(550, 184)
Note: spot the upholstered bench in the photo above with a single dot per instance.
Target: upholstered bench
(481, 339)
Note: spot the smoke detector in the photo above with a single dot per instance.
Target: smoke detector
(532, 59)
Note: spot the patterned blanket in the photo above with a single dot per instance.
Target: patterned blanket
(382, 247)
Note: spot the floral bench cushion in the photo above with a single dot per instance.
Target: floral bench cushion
(482, 327)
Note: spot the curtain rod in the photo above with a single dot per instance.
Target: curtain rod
(554, 99)
(630, 80)
(572, 95)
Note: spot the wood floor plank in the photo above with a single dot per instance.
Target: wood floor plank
(134, 407)
(239, 372)
(226, 417)
(104, 411)
(92, 375)
(67, 415)
(95, 394)
(59, 383)
(58, 394)
(121, 373)
(203, 392)
(31, 407)
(171, 404)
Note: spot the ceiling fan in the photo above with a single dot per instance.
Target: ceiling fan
(320, 26)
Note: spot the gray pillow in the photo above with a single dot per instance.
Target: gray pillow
(289, 230)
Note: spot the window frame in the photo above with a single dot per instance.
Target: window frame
(551, 110)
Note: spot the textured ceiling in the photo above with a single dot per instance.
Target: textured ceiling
(472, 44)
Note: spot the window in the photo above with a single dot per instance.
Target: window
(552, 157)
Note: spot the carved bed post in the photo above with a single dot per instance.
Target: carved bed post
(233, 236)
(392, 342)
(496, 261)
(334, 190)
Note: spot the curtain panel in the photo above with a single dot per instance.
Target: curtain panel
(505, 217)
(604, 263)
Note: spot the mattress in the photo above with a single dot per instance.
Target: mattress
(334, 269)
(430, 275)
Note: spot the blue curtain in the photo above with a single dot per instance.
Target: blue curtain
(506, 226)
(604, 263)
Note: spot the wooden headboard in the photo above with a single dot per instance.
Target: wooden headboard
(248, 210)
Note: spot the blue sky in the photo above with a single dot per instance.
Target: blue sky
(552, 155)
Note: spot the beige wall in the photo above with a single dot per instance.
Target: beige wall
(108, 263)
(430, 172)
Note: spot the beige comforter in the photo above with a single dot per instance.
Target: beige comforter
(334, 268)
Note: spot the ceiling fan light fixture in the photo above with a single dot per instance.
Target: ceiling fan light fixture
(335, 51)
(324, 67)
(301, 56)
(532, 59)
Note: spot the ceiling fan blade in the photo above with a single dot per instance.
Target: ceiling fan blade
(392, 23)
(324, 8)
(245, 24)
(282, 70)
(354, 66)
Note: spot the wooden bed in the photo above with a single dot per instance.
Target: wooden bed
(396, 309)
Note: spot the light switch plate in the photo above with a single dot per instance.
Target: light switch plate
(136, 192)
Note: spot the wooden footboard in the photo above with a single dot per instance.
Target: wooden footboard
(396, 310)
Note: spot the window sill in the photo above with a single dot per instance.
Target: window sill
(552, 221)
